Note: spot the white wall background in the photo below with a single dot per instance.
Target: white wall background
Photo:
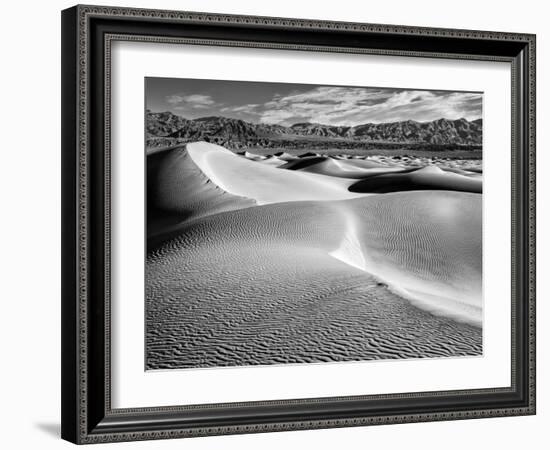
(30, 236)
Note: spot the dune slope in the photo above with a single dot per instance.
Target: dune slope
(426, 178)
(291, 282)
(177, 190)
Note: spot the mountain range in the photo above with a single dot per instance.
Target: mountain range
(235, 131)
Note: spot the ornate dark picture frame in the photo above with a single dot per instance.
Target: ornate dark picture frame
(87, 35)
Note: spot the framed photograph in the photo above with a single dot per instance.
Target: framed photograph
(278, 224)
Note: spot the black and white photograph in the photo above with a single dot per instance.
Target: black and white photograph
(275, 221)
(275, 225)
(301, 223)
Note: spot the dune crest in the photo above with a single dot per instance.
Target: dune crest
(262, 182)
(435, 263)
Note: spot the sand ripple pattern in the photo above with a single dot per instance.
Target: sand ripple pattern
(259, 286)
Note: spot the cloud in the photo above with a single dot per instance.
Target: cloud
(197, 101)
(250, 108)
(353, 106)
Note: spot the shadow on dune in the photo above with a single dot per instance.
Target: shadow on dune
(427, 178)
(350, 169)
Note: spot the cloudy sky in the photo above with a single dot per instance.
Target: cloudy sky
(286, 104)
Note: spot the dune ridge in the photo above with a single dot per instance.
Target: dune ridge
(263, 183)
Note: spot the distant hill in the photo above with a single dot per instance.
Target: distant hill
(238, 133)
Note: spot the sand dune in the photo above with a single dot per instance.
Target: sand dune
(351, 169)
(253, 156)
(435, 261)
(286, 156)
(264, 183)
(291, 282)
(426, 178)
(258, 264)
(305, 162)
(464, 172)
(273, 161)
(362, 164)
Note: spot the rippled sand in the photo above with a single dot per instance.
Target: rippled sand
(227, 293)
(359, 277)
